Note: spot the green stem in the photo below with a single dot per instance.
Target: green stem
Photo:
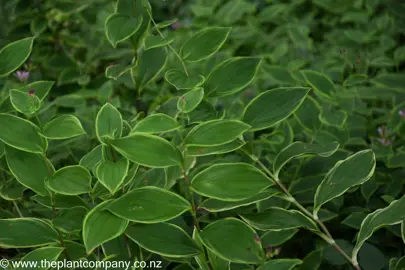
(193, 206)
(72, 155)
(170, 46)
(140, 255)
(62, 244)
(194, 210)
(17, 209)
(39, 121)
(4, 178)
(327, 236)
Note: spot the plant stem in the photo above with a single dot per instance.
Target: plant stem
(327, 236)
(170, 46)
(39, 121)
(4, 178)
(194, 208)
(62, 244)
(17, 209)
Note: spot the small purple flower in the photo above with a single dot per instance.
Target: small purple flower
(31, 92)
(249, 92)
(277, 251)
(176, 25)
(383, 131)
(257, 238)
(269, 251)
(402, 113)
(380, 131)
(385, 141)
(22, 75)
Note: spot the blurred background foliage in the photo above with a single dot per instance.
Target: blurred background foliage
(359, 44)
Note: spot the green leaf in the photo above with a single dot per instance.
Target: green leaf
(148, 150)
(119, 27)
(30, 169)
(299, 150)
(14, 54)
(41, 88)
(108, 123)
(164, 239)
(312, 261)
(353, 171)
(272, 12)
(151, 42)
(151, 63)
(60, 201)
(71, 180)
(190, 100)
(196, 151)
(276, 218)
(234, 10)
(100, 226)
(390, 215)
(357, 36)
(273, 106)
(280, 264)
(201, 258)
(70, 101)
(215, 133)
(166, 23)
(232, 240)
(333, 117)
(400, 265)
(21, 134)
(182, 81)
(322, 85)
(280, 75)
(277, 238)
(135, 9)
(227, 182)
(396, 161)
(214, 205)
(354, 220)
(116, 71)
(156, 177)
(63, 127)
(12, 190)
(6, 106)
(371, 257)
(149, 205)
(26, 233)
(390, 80)
(112, 174)
(37, 256)
(126, 7)
(156, 123)
(92, 159)
(333, 257)
(308, 114)
(69, 76)
(232, 76)
(204, 43)
(24, 102)
(205, 111)
(355, 79)
(70, 220)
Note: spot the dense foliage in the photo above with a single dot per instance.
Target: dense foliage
(206, 134)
